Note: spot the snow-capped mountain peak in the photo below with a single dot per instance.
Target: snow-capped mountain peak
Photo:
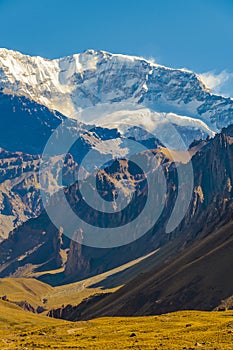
(64, 84)
(115, 82)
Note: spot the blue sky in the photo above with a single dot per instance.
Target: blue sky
(195, 34)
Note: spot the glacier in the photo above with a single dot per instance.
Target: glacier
(115, 90)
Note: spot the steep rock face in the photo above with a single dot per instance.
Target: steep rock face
(76, 260)
(15, 253)
(20, 197)
(25, 129)
(35, 246)
(19, 190)
(210, 208)
(212, 199)
(57, 247)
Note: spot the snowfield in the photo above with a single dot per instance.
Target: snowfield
(119, 91)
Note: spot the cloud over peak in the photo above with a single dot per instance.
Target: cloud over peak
(219, 83)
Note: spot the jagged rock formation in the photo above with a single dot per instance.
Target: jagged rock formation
(20, 197)
(35, 246)
(25, 129)
(210, 208)
(19, 190)
(199, 278)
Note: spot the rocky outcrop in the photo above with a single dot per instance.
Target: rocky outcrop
(35, 246)
(57, 247)
(197, 279)
(19, 190)
(76, 261)
(210, 208)
(20, 198)
(212, 200)
(74, 313)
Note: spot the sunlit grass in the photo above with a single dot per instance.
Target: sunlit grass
(181, 330)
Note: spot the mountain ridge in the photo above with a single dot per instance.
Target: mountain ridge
(117, 88)
(210, 207)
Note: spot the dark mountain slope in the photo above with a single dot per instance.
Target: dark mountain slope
(200, 279)
(25, 125)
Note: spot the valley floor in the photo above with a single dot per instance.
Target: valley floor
(181, 330)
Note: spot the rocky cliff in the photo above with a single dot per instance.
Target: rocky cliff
(210, 208)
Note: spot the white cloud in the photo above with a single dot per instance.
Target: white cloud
(221, 83)
(152, 60)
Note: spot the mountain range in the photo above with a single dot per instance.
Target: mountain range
(121, 89)
(104, 100)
